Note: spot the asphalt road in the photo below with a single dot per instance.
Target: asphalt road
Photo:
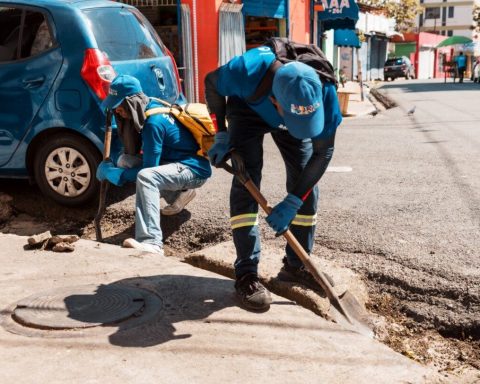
(408, 215)
(400, 205)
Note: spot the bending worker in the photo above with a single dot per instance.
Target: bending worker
(302, 115)
(169, 168)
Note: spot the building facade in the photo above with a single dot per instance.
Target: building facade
(447, 18)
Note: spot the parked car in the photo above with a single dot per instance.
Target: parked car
(57, 59)
(398, 67)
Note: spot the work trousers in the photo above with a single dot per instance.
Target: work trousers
(247, 130)
(165, 181)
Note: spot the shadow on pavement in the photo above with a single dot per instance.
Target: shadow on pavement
(168, 299)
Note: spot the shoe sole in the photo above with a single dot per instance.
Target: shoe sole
(248, 306)
(176, 212)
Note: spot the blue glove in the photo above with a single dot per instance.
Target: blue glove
(107, 171)
(283, 213)
(220, 148)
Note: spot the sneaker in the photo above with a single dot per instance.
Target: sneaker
(145, 247)
(182, 200)
(302, 276)
(252, 294)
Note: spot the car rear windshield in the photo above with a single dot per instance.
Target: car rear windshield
(394, 62)
(124, 34)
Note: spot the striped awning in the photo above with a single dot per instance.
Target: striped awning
(149, 3)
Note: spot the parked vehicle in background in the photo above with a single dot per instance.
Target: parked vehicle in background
(398, 67)
(57, 59)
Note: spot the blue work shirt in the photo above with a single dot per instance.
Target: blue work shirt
(241, 76)
(461, 61)
(167, 141)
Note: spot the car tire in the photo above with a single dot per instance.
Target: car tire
(65, 167)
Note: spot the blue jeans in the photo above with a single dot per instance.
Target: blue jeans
(165, 181)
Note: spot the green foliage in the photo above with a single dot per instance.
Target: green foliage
(476, 17)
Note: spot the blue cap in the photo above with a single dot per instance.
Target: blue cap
(121, 87)
(298, 89)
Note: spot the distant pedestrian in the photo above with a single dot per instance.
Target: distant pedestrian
(461, 62)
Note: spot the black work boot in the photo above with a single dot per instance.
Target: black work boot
(252, 294)
(302, 276)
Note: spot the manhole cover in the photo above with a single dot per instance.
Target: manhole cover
(79, 307)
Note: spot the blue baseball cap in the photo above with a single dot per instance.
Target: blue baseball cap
(298, 89)
(121, 87)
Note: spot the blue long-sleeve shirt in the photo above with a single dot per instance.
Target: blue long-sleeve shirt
(166, 141)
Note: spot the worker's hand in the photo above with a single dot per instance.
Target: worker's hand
(220, 148)
(107, 171)
(283, 213)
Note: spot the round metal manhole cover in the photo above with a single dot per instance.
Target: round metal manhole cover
(79, 307)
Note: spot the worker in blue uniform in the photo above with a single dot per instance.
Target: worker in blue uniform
(169, 167)
(302, 114)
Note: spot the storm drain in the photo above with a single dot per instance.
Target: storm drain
(80, 307)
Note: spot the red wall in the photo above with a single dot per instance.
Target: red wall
(299, 23)
(207, 38)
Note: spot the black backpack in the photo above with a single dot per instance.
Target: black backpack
(286, 51)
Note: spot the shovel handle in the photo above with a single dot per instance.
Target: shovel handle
(104, 184)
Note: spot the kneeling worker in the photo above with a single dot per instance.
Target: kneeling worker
(170, 167)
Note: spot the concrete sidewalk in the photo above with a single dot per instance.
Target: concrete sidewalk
(189, 328)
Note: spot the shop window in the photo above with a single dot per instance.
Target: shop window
(259, 29)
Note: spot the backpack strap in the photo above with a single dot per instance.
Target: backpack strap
(265, 85)
(157, 110)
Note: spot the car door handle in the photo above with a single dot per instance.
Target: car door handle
(33, 83)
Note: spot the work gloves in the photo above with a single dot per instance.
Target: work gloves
(283, 213)
(107, 171)
(220, 148)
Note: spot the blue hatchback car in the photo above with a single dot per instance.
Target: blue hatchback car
(57, 58)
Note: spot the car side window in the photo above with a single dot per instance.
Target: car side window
(43, 39)
(23, 33)
(36, 35)
(10, 26)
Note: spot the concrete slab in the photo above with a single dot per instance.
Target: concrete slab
(220, 259)
(191, 330)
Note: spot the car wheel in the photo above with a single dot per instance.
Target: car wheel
(65, 169)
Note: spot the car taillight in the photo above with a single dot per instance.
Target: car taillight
(97, 72)
(177, 74)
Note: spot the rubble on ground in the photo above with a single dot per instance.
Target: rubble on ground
(57, 243)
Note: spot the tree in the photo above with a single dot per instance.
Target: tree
(476, 18)
(404, 12)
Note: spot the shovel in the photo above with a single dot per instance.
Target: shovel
(345, 309)
(104, 184)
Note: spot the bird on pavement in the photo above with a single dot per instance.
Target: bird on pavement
(411, 111)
